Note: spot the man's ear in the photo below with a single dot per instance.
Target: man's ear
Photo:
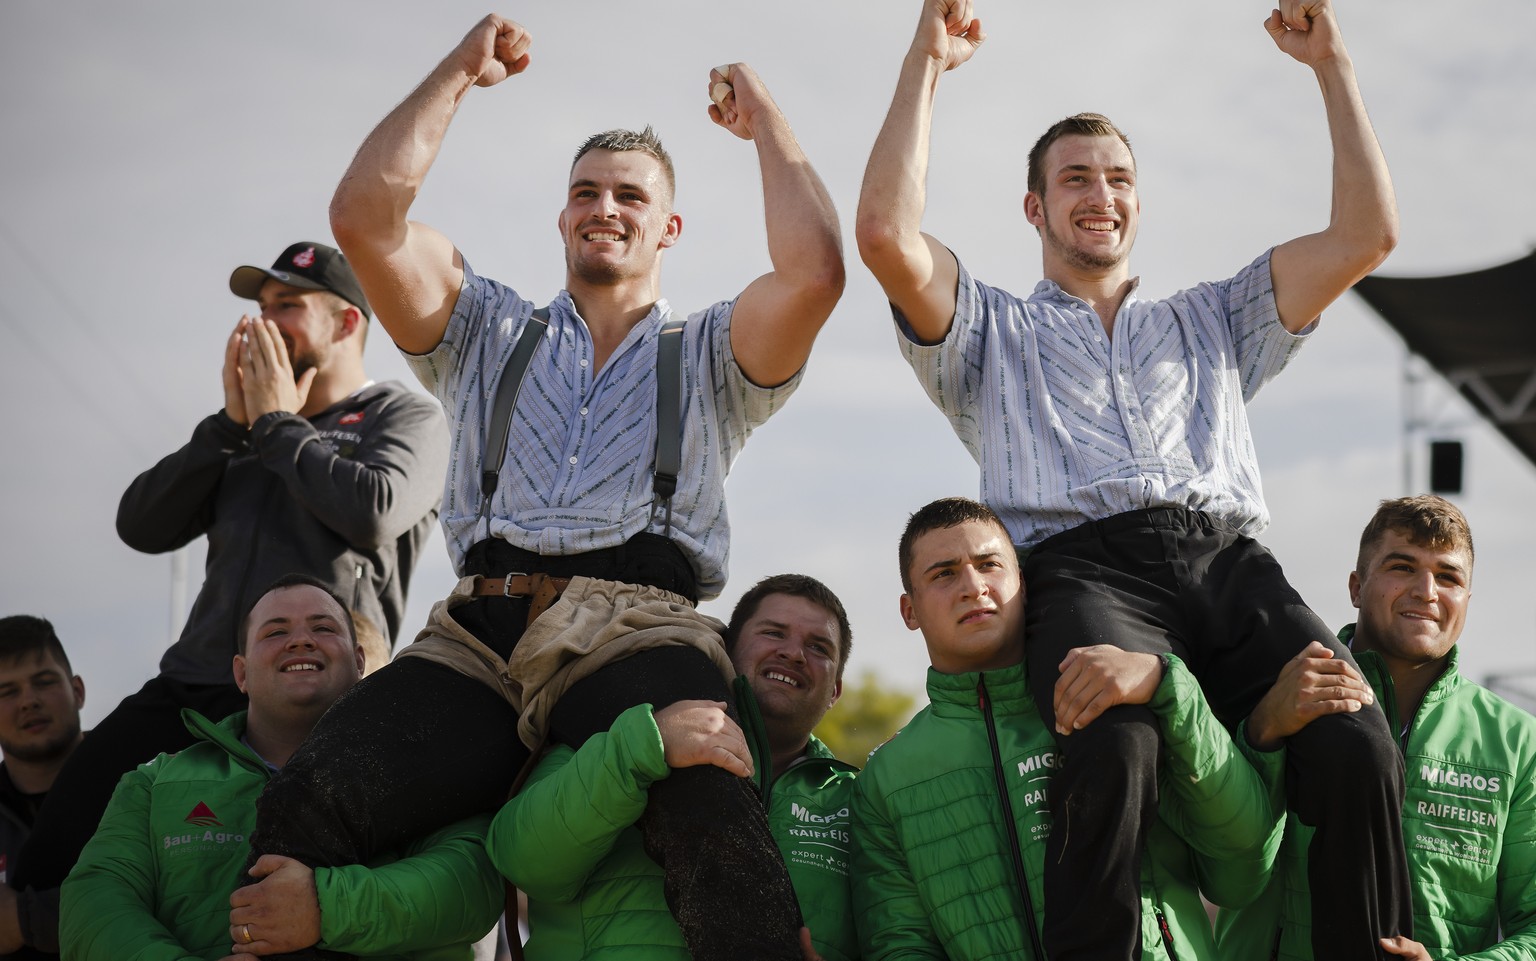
(351, 321)
(362, 658)
(239, 668)
(674, 230)
(1355, 584)
(837, 692)
(77, 684)
(1034, 209)
(907, 615)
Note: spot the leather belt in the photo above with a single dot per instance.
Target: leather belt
(540, 589)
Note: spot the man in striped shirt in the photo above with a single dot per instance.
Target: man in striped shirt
(1114, 444)
(443, 731)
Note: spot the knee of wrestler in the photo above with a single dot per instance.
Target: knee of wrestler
(1344, 760)
(1116, 752)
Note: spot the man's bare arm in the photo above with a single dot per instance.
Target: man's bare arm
(1310, 272)
(917, 273)
(410, 272)
(776, 319)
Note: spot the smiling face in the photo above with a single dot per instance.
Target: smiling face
(966, 597)
(299, 654)
(789, 651)
(40, 705)
(1412, 600)
(310, 322)
(618, 217)
(1087, 211)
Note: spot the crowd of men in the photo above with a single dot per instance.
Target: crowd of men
(1157, 724)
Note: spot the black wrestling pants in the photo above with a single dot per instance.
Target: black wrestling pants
(1170, 579)
(417, 745)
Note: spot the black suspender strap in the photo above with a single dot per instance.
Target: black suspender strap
(669, 428)
(508, 385)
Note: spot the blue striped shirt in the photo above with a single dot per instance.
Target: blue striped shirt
(1069, 426)
(577, 476)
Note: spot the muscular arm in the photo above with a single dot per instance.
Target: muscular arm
(1311, 272)
(776, 319)
(917, 273)
(410, 272)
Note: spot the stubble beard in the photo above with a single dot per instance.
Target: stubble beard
(1077, 257)
(599, 273)
(53, 749)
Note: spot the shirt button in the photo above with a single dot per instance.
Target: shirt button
(583, 363)
(573, 462)
(583, 412)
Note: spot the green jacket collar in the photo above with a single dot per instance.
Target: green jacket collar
(226, 735)
(756, 731)
(1376, 670)
(1008, 688)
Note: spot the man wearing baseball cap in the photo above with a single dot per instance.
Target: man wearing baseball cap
(309, 468)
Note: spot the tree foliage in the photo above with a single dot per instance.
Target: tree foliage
(865, 717)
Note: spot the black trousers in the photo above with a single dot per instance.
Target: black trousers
(417, 745)
(142, 725)
(1169, 579)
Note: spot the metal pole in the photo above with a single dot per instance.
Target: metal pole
(178, 611)
(1409, 424)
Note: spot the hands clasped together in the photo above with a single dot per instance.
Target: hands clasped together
(258, 375)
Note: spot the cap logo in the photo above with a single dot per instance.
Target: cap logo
(356, 417)
(304, 258)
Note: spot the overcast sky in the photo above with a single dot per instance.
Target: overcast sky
(152, 147)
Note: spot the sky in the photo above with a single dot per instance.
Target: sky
(152, 147)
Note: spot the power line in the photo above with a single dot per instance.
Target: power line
(106, 412)
(73, 312)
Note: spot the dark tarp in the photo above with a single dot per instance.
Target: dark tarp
(1479, 331)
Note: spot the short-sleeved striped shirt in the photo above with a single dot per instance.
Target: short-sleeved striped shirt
(1070, 426)
(577, 476)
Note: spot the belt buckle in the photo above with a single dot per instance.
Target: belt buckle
(506, 584)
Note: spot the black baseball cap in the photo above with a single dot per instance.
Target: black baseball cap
(308, 265)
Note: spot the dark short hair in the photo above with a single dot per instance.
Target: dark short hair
(1077, 125)
(619, 141)
(795, 585)
(23, 634)
(940, 514)
(1427, 520)
(295, 580)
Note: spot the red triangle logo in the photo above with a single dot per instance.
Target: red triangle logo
(203, 816)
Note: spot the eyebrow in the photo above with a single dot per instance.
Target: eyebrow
(35, 675)
(1115, 169)
(624, 185)
(307, 619)
(1443, 565)
(952, 561)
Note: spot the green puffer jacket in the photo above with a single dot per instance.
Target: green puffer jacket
(1469, 820)
(153, 884)
(567, 839)
(935, 862)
